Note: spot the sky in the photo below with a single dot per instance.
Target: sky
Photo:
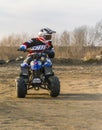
(29, 16)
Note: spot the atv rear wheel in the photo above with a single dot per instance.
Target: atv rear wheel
(54, 86)
(21, 88)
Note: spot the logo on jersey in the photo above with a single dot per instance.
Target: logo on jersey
(39, 47)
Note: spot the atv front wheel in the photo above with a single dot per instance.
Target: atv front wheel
(21, 88)
(54, 86)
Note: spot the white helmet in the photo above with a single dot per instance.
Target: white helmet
(45, 31)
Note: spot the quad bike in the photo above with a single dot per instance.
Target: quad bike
(39, 76)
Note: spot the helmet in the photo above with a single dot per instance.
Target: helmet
(46, 33)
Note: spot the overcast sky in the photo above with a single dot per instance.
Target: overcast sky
(17, 16)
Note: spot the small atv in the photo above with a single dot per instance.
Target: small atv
(39, 76)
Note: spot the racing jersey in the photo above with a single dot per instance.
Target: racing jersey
(38, 44)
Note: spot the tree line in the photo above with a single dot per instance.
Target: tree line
(81, 42)
(81, 36)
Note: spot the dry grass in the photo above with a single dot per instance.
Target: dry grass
(9, 45)
(9, 53)
(61, 52)
(77, 52)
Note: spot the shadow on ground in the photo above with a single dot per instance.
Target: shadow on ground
(73, 97)
(81, 97)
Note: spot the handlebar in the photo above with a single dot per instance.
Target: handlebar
(44, 51)
(39, 54)
(23, 51)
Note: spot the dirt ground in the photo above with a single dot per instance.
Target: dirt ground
(78, 107)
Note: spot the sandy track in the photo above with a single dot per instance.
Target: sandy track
(79, 106)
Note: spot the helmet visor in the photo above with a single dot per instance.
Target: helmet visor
(48, 37)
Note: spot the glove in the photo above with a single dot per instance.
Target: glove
(22, 48)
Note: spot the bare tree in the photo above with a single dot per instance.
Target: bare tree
(98, 33)
(90, 36)
(14, 39)
(80, 36)
(65, 38)
(78, 41)
(56, 40)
